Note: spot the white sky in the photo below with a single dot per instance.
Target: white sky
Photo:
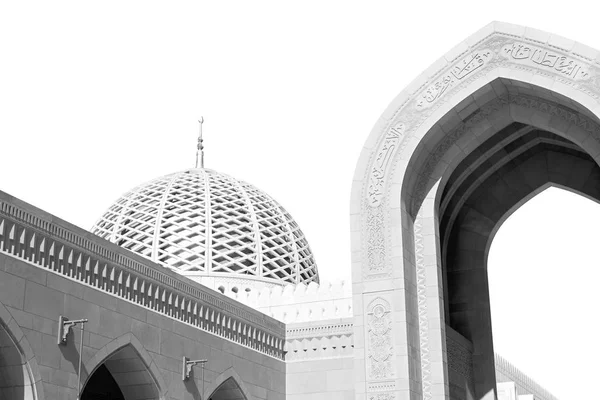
(97, 97)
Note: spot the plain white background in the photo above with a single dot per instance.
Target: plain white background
(97, 97)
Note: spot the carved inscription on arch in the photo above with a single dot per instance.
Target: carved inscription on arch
(456, 73)
(552, 61)
(382, 162)
(379, 340)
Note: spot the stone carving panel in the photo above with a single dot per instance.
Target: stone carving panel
(376, 256)
(380, 348)
(460, 359)
(383, 159)
(552, 61)
(455, 74)
(382, 396)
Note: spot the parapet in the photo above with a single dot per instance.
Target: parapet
(301, 302)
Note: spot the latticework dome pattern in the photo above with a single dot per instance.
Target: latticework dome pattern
(204, 223)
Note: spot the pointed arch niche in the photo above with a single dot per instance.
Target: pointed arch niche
(127, 373)
(229, 389)
(488, 126)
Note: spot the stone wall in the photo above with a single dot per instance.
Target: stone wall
(320, 360)
(136, 311)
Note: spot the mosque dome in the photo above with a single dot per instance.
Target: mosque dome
(207, 225)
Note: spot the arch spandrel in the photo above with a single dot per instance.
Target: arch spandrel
(231, 383)
(411, 146)
(128, 347)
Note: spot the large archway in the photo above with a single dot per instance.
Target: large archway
(503, 114)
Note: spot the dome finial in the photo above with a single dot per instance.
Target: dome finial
(200, 147)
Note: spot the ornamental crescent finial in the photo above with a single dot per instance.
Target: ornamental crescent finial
(200, 146)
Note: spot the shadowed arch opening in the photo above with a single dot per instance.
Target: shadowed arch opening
(121, 376)
(228, 390)
(484, 158)
(16, 382)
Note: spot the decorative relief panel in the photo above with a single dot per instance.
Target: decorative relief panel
(380, 348)
(384, 157)
(455, 74)
(544, 59)
(376, 257)
(382, 396)
(460, 358)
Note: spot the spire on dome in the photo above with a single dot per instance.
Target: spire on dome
(200, 147)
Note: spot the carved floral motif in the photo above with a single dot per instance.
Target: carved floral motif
(375, 241)
(379, 339)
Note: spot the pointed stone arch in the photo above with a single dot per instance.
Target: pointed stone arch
(228, 380)
(128, 347)
(501, 76)
(22, 358)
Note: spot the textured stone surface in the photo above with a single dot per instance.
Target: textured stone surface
(500, 76)
(142, 350)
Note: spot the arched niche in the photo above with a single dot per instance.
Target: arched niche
(128, 372)
(228, 390)
(409, 192)
(19, 373)
(15, 376)
(228, 386)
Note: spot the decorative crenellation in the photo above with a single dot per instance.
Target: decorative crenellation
(380, 348)
(301, 303)
(422, 308)
(37, 239)
(322, 329)
(308, 341)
